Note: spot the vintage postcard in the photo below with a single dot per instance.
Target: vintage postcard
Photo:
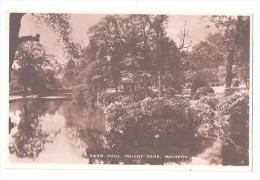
(156, 91)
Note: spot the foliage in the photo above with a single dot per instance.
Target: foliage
(15, 83)
(83, 94)
(60, 23)
(233, 128)
(148, 120)
(34, 67)
(69, 73)
(197, 84)
(235, 83)
(231, 90)
(211, 100)
(204, 90)
(30, 138)
(124, 50)
(106, 98)
(203, 119)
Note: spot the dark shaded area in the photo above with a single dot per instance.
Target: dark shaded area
(11, 125)
(14, 39)
(197, 83)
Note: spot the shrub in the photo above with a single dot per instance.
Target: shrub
(236, 106)
(149, 119)
(233, 123)
(188, 85)
(211, 100)
(137, 95)
(197, 84)
(204, 90)
(203, 119)
(171, 92)
(231, 90)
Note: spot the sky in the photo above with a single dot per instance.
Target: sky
(80, 24)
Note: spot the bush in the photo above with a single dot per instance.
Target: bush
(211, 100)
(231, 90)
(197, 84)
(149, 119)
(236, 106)
(204, 90)
(203, 119)
(137, 95)
(171, 92)
(233, 123)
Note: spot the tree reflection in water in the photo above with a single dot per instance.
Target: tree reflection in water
(30, 138)
(85, 127)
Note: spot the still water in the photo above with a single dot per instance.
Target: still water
(55, 131)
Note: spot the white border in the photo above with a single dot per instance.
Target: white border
(166, 7)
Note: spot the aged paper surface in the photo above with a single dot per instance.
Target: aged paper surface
(129, 90)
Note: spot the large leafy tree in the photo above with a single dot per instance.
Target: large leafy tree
(108, 35)
(34, 66)
(232, 40)
(204, 61)
(133, 50)
(58, 23)
(158, 23)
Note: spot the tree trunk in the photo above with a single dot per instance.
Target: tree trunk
(160, 83)
(146, 89)
(116, 86)
(14, 28)
(229, 64)
(24, 90)
(14, 39)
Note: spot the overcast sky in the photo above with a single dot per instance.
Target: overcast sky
(81, 22)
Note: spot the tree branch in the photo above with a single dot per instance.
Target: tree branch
(29, 38)
(183, 36)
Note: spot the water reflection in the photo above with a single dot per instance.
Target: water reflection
(41, 125)
(30, 138)
(61, 131)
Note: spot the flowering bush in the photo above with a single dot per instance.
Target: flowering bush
(203, 119)
(233, 123)
(149, 121)
(211, 100)
(236, 108)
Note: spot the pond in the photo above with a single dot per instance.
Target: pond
(58, 131)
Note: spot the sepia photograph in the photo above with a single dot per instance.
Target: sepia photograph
(129, 89)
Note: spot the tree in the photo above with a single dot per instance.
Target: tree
(32, 65)
(158, 23)
(57, 22)
(232, 38)
(205, 62)
(69, 73)
(138, 62)
(108, 35)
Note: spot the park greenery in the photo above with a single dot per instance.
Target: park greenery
(137, 74)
